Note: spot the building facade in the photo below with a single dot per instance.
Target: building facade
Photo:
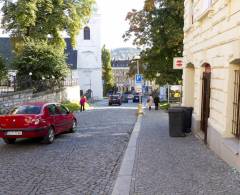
(211, 76)
(121, 77)
(89, 65)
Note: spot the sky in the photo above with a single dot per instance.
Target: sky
(113, 24)
(113, 14)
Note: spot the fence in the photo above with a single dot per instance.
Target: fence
(16, 84)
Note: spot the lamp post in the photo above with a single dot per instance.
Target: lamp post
(140, 109)
(70, 66)
(30, 75)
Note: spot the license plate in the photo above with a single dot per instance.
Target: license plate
(14, 133)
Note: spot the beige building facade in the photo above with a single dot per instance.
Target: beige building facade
(121, 77)
(211, 76)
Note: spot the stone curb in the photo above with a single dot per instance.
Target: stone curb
(123, 182)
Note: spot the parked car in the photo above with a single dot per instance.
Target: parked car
(125, 98)
(115, 99)
(33, 120)
(130, 96)
(136, 98)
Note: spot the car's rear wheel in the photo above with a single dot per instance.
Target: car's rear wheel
(9, 140)
(74, 126)
(49, 138)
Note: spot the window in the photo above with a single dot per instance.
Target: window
(28, 109)
(63, 110)
(52, 109)
(86, 33)
(236, 105)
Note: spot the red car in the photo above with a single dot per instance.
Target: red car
(33, 120)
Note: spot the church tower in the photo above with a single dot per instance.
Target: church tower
(89, 65)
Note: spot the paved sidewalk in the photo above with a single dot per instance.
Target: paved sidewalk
(178, 166)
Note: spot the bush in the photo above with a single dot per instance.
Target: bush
(71, 106)
(164, 106)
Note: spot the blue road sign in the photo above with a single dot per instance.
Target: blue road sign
(138, 79)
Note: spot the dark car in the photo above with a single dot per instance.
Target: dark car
(115, 99)
(136, 98)
(33, 120)
(125, 98)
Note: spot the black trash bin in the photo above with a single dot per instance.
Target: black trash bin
(188, 118)
(177, 124)
(188, 122)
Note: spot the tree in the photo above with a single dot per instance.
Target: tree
(107, 70)
(158, 27)
(41, 19)
(133, 68)
(3, 70)
(42, 60)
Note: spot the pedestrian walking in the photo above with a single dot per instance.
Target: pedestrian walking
(83, 100)
(150, 102)
(156, 102)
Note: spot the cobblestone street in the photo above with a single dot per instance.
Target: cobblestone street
(82, 163)
(178, 166)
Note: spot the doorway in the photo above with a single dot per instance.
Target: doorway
(206, 91)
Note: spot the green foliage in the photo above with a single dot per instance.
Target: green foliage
(3, 70)
(159, 29)
(164, 106)
(42, 60)
(71, 106)
(133, 68)
(107, 70)
(39, 19)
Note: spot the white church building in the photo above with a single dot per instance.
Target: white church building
(85, 59)
(89, 65)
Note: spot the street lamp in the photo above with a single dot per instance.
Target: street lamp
(30, 75)
(140, 109)
(70, 66)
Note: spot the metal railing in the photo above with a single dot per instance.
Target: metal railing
(15, 85)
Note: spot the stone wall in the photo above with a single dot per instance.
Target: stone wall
(68, 93)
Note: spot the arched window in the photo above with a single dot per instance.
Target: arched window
(86, 33)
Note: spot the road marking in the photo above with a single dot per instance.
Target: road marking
(123, 182)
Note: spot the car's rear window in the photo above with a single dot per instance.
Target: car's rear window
(27, 109)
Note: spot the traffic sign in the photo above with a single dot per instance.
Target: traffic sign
(138, 79)
(178, 63)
